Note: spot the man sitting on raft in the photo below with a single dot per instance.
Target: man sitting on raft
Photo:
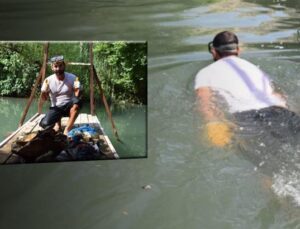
(63, 89)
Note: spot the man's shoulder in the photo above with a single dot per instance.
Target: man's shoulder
(242, 61)
(206, 71)
(70, 76)
(226, 65)
(229, 64)
(249, 67)
(51, 77)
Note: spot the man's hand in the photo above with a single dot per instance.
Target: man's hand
(219, 133)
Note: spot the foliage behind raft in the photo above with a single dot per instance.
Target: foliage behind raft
(121, 66)
(17, 72)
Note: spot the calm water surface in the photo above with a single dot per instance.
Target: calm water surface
(192, 185)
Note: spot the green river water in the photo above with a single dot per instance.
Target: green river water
(191, 184)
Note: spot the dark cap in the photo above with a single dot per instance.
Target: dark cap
(225, 42)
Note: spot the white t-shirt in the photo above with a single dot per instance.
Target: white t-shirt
(243, 85)
(61, 91)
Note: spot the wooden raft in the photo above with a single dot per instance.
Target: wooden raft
(32, 125)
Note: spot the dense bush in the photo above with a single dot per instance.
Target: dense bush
(123, 69)
(17, 73)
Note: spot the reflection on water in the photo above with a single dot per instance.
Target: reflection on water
(10, 113)
(191, 183)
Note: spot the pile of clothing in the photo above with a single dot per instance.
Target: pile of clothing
(84, 145)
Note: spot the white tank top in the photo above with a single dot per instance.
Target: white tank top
(243, 85)
(61, 91)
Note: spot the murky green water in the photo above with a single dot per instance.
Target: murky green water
(192, 185)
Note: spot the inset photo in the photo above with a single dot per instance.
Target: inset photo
(72, 101)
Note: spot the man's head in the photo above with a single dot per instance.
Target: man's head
(224, 44)
(58, 65)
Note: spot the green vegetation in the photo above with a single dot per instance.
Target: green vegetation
(17, 73)
(121, 67)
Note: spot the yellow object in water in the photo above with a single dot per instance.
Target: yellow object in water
(219, 133)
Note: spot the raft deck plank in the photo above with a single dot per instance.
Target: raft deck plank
(32, 125)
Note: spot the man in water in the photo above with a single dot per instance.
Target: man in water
(63, 89)
(241, 109)
(246, 91)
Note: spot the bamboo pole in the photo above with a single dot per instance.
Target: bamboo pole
(108, 112)
(74, 63)
(30, 98)
(38, 80)
(46, 49)
(78, 63)
(92, 100)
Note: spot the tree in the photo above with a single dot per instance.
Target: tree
(18, 68)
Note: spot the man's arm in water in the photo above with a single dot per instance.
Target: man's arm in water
(217, 129)
(206, 106)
